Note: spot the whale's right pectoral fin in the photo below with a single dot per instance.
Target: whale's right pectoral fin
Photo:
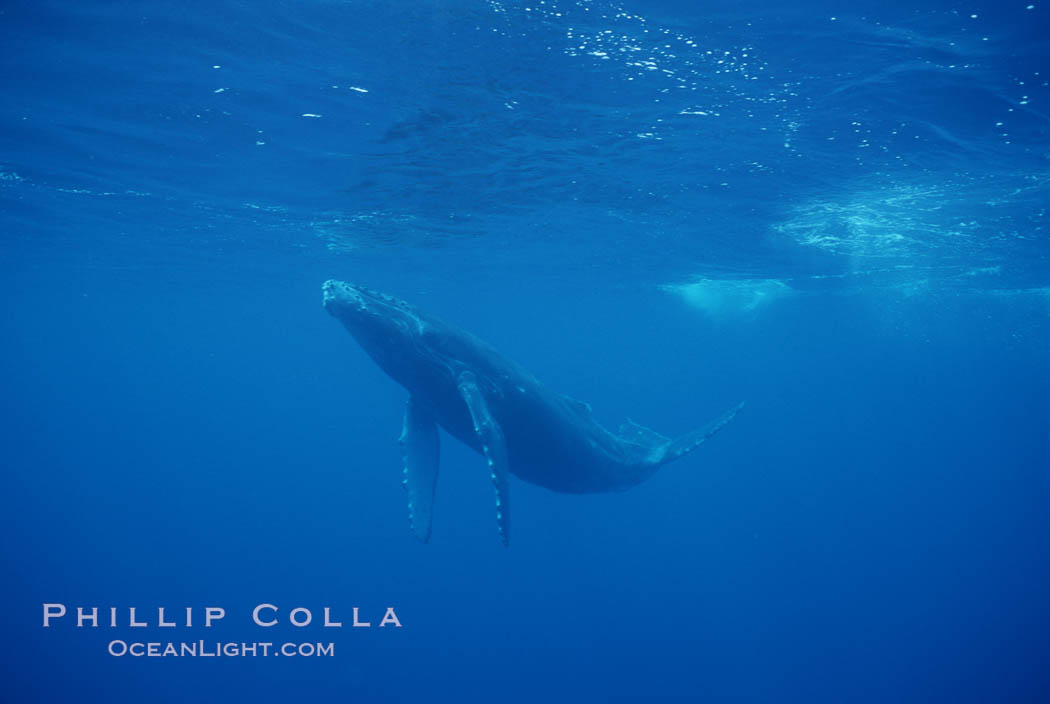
(495, 447)
(420, 450)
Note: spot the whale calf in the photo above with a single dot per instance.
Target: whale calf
(491, 404)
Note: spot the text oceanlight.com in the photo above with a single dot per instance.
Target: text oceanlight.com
(201, 649)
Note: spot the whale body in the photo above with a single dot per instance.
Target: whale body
(488, 402)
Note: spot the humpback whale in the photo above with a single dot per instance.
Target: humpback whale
(495, 407)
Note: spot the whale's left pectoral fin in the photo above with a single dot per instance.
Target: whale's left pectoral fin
(495, 447)
(420, 450)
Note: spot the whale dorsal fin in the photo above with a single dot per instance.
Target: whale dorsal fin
(640, 435)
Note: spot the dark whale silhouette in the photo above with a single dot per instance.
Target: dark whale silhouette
(497, 408)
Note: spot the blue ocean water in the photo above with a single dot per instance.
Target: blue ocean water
(836, 212)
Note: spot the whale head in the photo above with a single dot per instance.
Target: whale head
(388, 329)
(370, 314)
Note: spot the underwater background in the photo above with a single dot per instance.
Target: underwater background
(834, 212)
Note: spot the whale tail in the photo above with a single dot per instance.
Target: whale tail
(690, 441)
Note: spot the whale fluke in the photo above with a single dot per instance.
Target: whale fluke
(690, 441)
